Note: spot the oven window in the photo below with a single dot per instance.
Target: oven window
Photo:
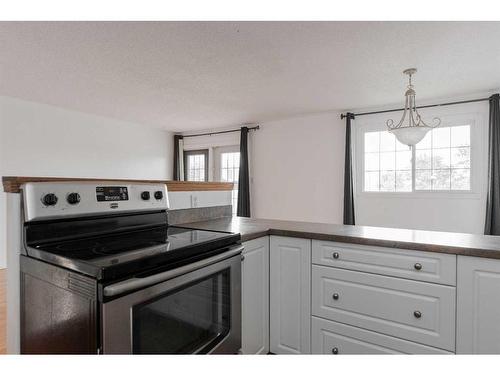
(190, 319)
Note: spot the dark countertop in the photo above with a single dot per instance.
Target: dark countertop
(442, 242)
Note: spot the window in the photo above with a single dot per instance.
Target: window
(230, 172)
(196, 165)
(441, 161)
(387, 163)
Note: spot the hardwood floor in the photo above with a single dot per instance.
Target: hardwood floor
(3, 318)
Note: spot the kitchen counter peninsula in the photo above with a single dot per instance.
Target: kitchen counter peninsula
(442, 242)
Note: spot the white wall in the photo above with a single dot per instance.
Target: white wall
(298, 169)
(440, 211)
(42, 140)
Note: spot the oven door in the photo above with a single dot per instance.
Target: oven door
(191, 309)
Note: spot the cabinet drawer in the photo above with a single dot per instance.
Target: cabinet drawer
(409, 264)
(336, 338)
(411, 310)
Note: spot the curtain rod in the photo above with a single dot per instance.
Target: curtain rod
(342, 116)
(221, 132)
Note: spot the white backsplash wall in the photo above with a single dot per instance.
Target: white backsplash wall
(297, 169)
(42, 140)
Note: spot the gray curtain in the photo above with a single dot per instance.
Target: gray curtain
(178, 159)
(244, 178)
(492, 224)
(348, 184)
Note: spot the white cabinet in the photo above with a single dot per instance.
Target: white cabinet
(255, 297)
(478, 305)
(290, 295)
(330, 337)
(411, 310)
(409, 264)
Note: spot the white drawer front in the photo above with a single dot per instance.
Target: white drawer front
(329, 337)
(409, 264)
(386, 304)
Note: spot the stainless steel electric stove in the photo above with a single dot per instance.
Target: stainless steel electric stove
(103, 272)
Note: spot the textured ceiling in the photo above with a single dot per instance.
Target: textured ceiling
(193, 75)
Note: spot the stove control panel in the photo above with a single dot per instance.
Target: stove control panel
(44, 200)
(111, 193)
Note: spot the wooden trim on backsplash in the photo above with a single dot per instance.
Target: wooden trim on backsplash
(198, 186)
(12, 184)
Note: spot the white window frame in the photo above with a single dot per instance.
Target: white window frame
(456, 115)
(205, 153)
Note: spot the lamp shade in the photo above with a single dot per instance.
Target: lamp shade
(410, 135)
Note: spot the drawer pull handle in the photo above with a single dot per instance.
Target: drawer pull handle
(242, 258)
(336, 255)
(335, 351)
(418, 266)
(417, 314)
(335, 296)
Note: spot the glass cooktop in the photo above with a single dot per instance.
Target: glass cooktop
(137, 246)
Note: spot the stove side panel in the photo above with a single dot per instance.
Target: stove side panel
(58, 310)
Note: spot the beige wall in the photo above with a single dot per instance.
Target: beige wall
(297, 169)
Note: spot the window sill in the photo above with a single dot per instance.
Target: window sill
(421, 194)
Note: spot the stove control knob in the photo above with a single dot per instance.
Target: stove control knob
(159, 194)
(145, 195)
(73, 198)
(49, 199)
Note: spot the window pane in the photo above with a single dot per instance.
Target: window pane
(460, 179)
(371, 181)
(441, 137)
(460, 157)
(403, 160)
(195, 165)
(371, 161)
(387, 181)
(387, 161)
(423, 180)
(441, 158)
(441, 179)
(403, 180)
(371, 141)
(423, 159)
(230, 166)
(387, 141)
(460, 136)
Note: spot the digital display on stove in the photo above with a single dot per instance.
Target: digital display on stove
(111, 193)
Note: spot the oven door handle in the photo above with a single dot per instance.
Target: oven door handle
(139, 283)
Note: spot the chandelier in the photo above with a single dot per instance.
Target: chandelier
(411, 129)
